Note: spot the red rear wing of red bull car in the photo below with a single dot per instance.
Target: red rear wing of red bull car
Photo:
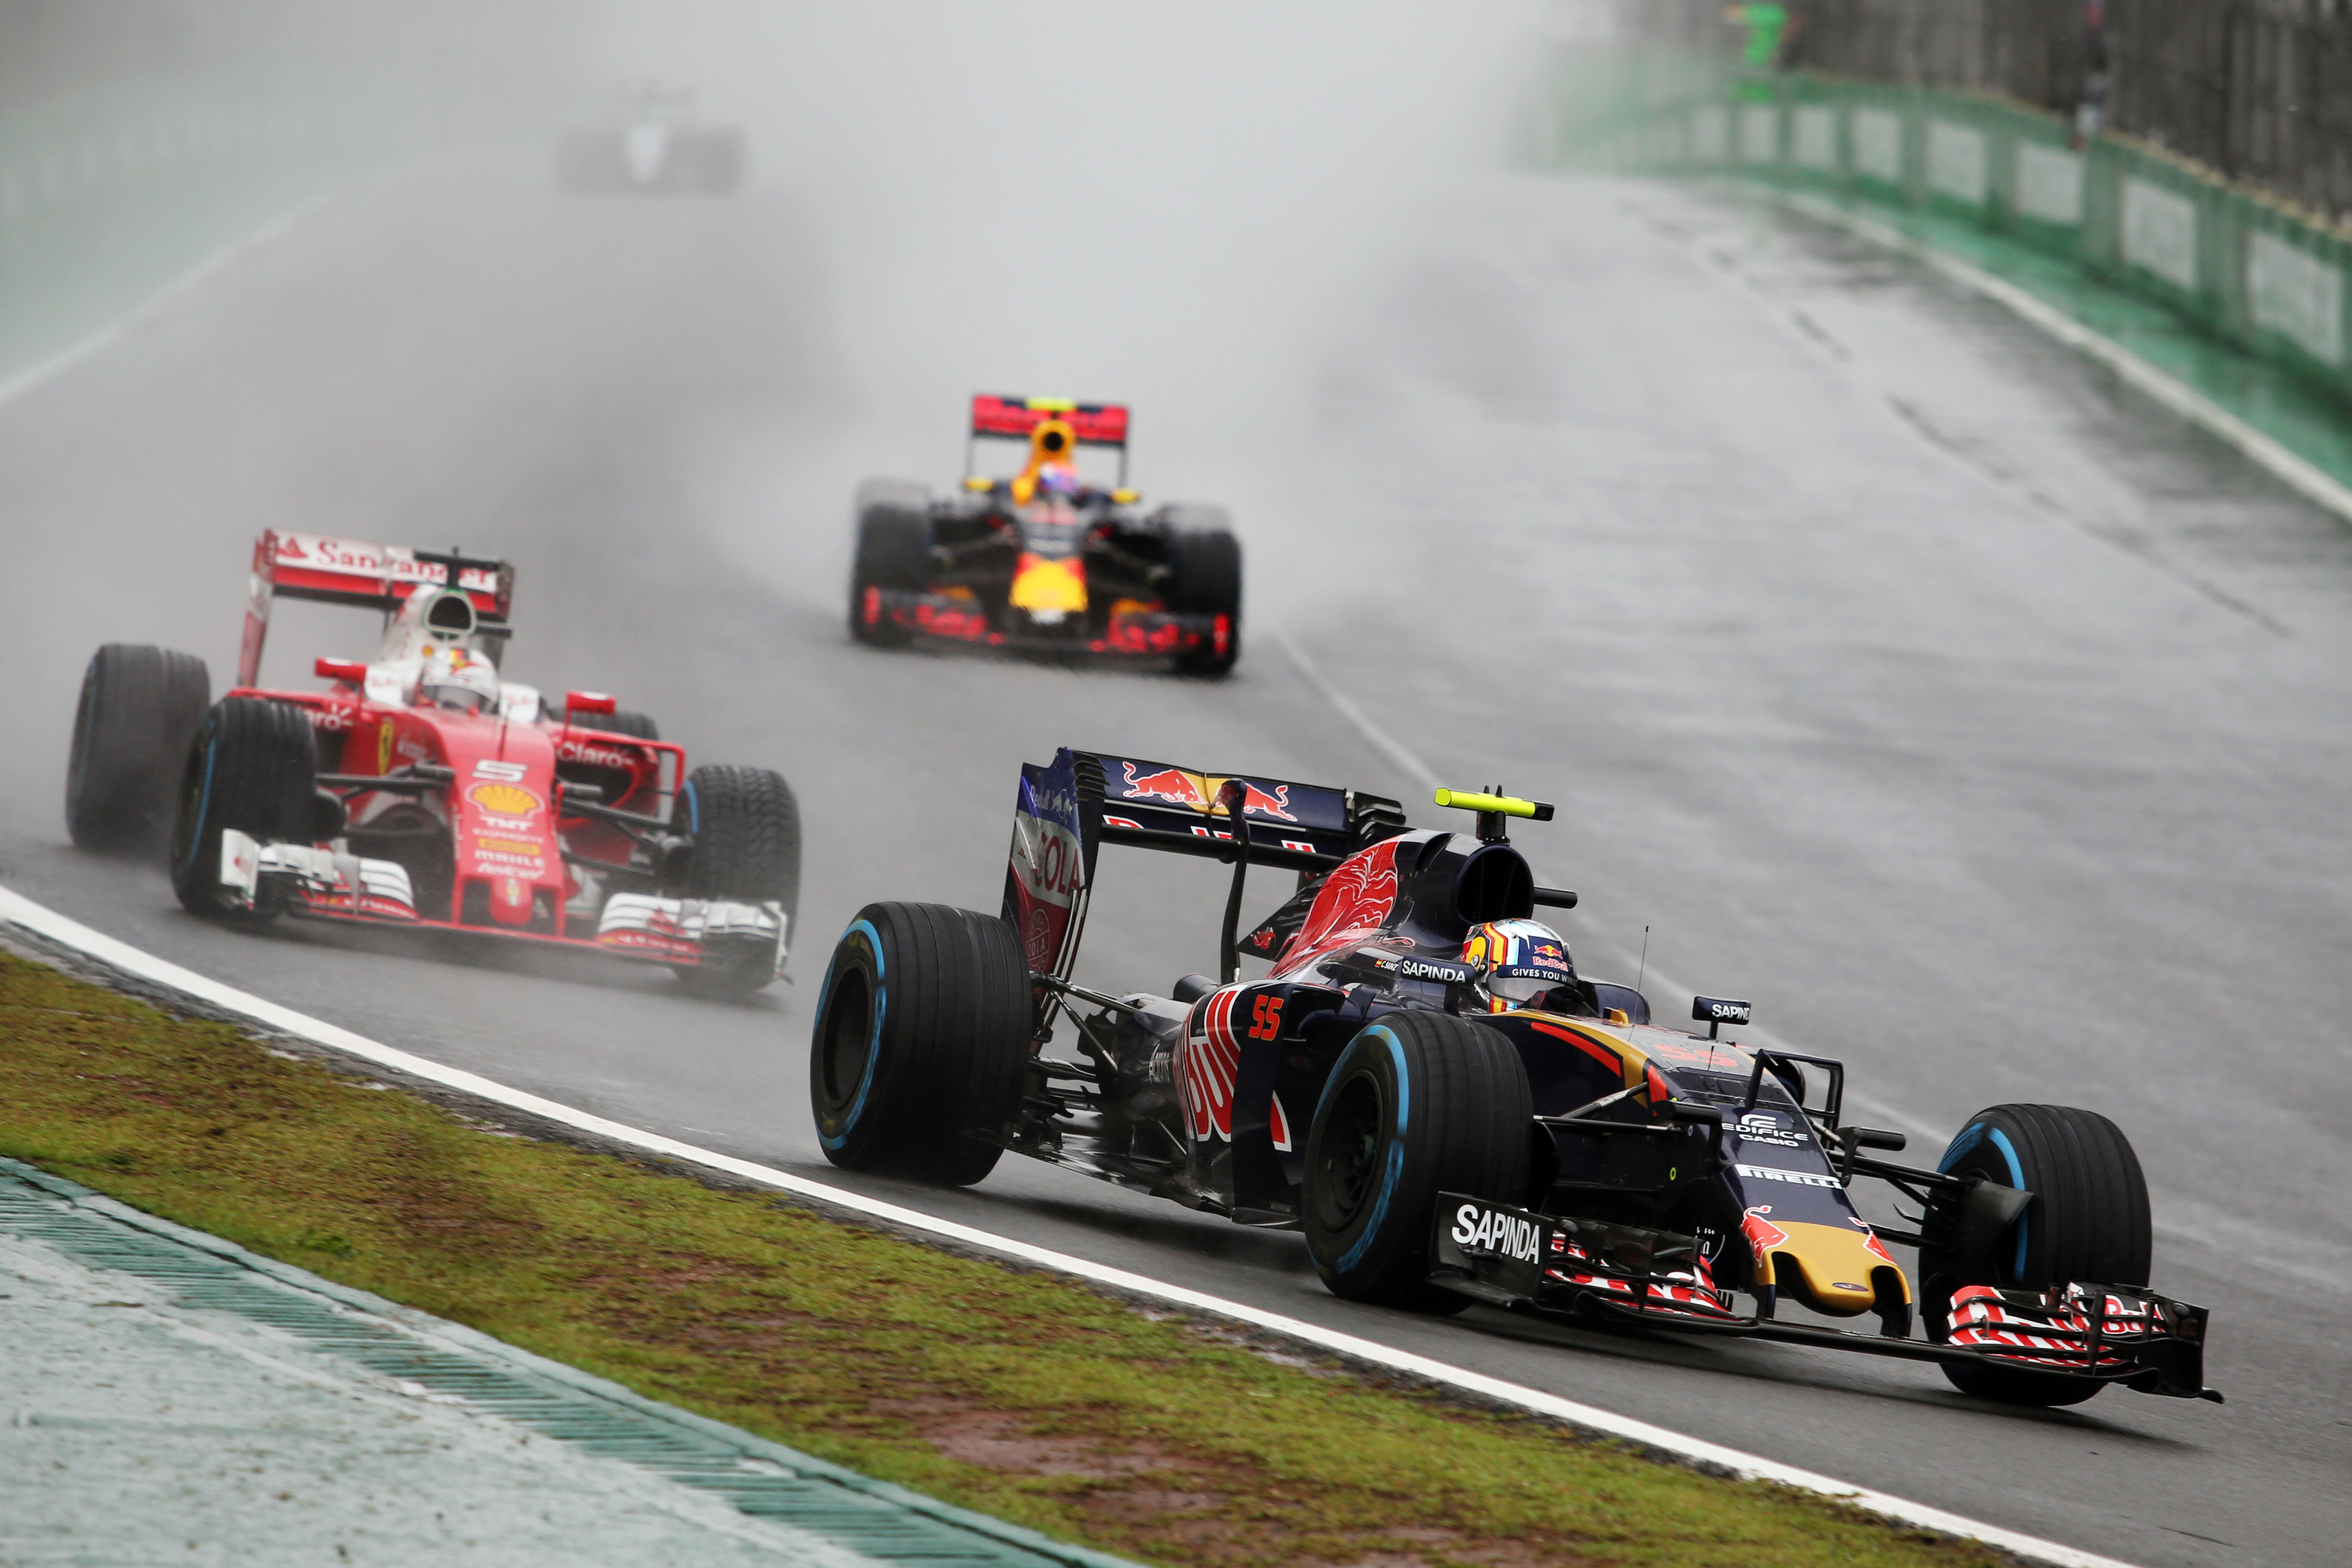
(331, 570)
(1091, 424)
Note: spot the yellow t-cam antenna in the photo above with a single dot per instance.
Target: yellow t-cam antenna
(1492, 806)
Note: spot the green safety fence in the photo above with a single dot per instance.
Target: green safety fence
(2246, 266)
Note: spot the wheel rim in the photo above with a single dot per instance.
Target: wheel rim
(1348, 1157)
(849, 1043)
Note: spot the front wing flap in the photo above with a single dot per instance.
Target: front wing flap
(2119, 1333)
(953, 617)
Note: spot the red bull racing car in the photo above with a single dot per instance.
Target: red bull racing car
(420, 789)
(1424, 1084)
(1047, 559)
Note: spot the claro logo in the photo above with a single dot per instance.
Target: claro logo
(1478, 1229)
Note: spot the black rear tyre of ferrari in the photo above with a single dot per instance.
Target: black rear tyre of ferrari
(894, 553)
(1418, 1103)
(636, 726)
(139, 710)
(746, 827)
(252, 768)
(2088, 1223)
(1204, 578)
(921, 1043)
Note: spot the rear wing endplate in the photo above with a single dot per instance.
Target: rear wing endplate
(331, 570)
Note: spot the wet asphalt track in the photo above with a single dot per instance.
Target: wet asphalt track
(1987, 728)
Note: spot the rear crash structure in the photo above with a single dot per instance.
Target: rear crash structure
(1569, 1158)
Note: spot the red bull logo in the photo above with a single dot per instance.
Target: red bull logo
(1173, 785)
(1199, 792)
(1256, 802)
(1762, 1235)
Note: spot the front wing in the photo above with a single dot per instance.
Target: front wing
(953, 617)
(319, 884)
(1550, 1266)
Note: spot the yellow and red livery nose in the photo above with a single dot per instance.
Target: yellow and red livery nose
(1042, 585)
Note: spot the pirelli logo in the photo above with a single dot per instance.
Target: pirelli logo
(1798, 1178)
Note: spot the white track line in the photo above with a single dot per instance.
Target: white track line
(18, 909)
(14, 387)
(2299, 473)
(1396, 751)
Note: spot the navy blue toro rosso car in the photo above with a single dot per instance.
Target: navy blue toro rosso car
(1446, 1136)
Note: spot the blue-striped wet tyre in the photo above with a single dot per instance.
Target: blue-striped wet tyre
(1418, 1103)
(921, 1045)
(252, 767)
(139, 710)
(2088, 1223)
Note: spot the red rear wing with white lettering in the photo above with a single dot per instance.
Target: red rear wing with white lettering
(366, 576)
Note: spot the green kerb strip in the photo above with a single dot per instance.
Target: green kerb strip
(763, 1479)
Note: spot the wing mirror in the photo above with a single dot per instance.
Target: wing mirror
(577, 702)
(347, 670)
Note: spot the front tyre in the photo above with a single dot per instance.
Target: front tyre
(1204, 578)
(252, 769)
(894, 555)
(139, 710)
(746, 829)
(2088, 1223)
(921, 1043)
(1418, 1103)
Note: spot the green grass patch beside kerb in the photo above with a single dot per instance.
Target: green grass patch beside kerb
(1018, 1393)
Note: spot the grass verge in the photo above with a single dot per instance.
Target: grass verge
(1017, 1394)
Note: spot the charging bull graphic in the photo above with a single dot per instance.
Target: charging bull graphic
(1199, 790)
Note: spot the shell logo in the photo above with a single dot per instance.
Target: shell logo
(505, 799)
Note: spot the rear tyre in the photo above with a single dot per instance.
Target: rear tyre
(746, 827)
(253, 767)
(893, 554)
(638, 726)
(1204, 578)
(1418, 1103)
(139, 711)
(2088, 1222)
(921, 1043)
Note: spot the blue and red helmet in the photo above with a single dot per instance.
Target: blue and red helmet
(1518, 961)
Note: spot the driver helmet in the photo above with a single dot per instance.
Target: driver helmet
(1060, 480)
(460, 680)
(1518, 961)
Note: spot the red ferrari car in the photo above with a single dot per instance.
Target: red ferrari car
(421, 789)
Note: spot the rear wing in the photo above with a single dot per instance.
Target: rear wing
(365, 576)
(996, 417)
(1067, 809)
